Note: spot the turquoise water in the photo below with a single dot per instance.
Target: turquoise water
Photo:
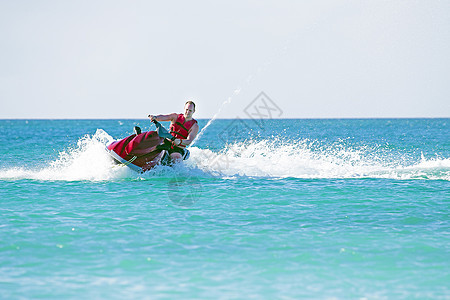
(346, 209)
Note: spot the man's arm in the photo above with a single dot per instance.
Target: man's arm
(160, 118)
(192, 134)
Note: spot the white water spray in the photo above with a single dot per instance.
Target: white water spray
(87, 161)
(247, 82)
(228, 101)
(267, 158)
(307, 159)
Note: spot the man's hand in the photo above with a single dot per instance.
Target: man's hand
(152, 118)
(176, 142)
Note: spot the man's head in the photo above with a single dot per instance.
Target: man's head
(189, 109)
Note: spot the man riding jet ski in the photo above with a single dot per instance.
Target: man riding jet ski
(143, 151)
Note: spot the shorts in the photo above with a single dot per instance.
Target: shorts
(174, 149)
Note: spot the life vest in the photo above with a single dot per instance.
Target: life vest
(180, 129)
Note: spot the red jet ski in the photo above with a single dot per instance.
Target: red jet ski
(142, 151)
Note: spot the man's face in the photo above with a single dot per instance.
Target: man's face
(188, 111)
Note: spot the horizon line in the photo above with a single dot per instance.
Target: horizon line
(293, 118)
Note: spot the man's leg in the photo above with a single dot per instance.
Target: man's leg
(176, 157)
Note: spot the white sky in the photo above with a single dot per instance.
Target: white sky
(314, 59)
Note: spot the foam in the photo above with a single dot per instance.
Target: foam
(307, 159)
(90, 161)
(87, 161)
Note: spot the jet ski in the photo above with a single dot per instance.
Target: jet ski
(142, 151)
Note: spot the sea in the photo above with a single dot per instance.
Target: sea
(262, 209)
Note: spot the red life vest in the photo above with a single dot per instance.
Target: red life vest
(180, 129)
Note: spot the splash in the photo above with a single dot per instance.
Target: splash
(225, 103)
(308, 159)
(274, 158)
(87, 161)
(237, 91)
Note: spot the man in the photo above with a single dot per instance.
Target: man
(183, 127)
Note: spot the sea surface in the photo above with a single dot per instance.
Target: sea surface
(263, 209)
